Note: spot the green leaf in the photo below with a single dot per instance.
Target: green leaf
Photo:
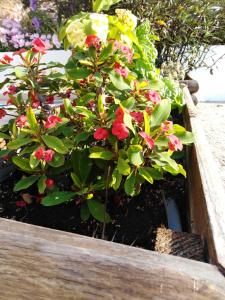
(118, 81)
(185, 137)
(25, 183)
(78, 73)
(68, 107)
(81, 137)
(55, 143)
(42, 184)
(84, 212)
(76, 180)
(4, 152)
(101, 153)
(31, 119)
(147, 122)
(150, 173)
(4, 136)
(22, 163)
(129, 184)
(116, 179)
(100, 5)
(128, 122)
(82, 164)
(135, 155)
(57, 160)
(123, 167)
(34, 162)
(97, 210)
(57, 198)
(164, 157)
(20, 72)
(19, 142)
(160, 113)
(106, 52)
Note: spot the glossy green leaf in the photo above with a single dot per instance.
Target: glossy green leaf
(76, 180)
(100, 5)
(123, 167)
(34, 162)
(160, 113)
(31, 119)
(22, 163)
(116, 179)
(118, 81)
(55, 143)
(56, 198)
(78, 73)
(82, 164)
(135, 155)
(57, 160)
(101, 153)
(129, 184)
(84, 212)
(42, 184)
(97, 210)
(25, 183)
(19, 142)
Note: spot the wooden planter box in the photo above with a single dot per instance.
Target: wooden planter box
(41, 263)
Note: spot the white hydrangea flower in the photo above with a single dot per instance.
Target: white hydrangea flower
(76, 33)
(100, 25)
(127, 18)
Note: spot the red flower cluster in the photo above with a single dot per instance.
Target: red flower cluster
(52, 121)
(11, 90)
(120, 70)
(39, 46)
(137, 116)
(93, 41)
(6, 60)
(45, 155)
(2, 113)
(49, 183)
(174, 143)
(119, 129)
(21, 121)
(149, 141)
(101, 134)
(153, 96)
(35, 101)
(50, 99)
(124, 49)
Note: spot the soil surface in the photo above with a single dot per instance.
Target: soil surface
(212, 116)
(134, 220)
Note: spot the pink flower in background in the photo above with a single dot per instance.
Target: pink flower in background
(2, 113)
(149, 141)
(21, 121)
(174, 143)
(101, 134)
(52, 121)
(11, 90)
(93, 41)
(153, 96)
(48, 155)
(137, 116)
(120, 70)
(50, 99)
(39, 154)
(127, 51)
(6, 60)
(167, 126)
(39, 46)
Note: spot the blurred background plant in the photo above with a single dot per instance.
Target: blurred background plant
(185, 29)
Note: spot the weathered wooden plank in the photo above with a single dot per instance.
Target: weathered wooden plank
(40, 263)
(206, 192)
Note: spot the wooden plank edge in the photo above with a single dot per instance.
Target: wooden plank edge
(50, 264)
(211, 182)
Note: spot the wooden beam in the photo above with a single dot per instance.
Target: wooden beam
(39, 263)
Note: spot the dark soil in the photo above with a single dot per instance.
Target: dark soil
(134, 220)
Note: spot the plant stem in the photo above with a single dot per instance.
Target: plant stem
(106, 200)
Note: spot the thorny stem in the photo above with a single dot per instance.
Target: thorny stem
(106, 201)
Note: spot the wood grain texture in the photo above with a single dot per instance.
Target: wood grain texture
(39, 263)
(206, 192)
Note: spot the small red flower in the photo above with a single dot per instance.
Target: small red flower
(21, 203)
(148, 110)
(120, 70)
(137, 116)
(68, 93)
(119, 114)
(153, 96)
(49, 183)
(35, 100)
(93, 41)
(6, 157)
(11, 90)
(2, 113)
(120, 130)
(174, 143)
(48, 155)
(167, 126)
(101, 134)
(39, 154)
(52, 121)
(50, 99)
(20, 52)
(6, 60)
(149, 141)
(124, 49)
(21, 121)
(39, 46)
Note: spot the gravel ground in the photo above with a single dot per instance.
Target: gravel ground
(213, 122)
